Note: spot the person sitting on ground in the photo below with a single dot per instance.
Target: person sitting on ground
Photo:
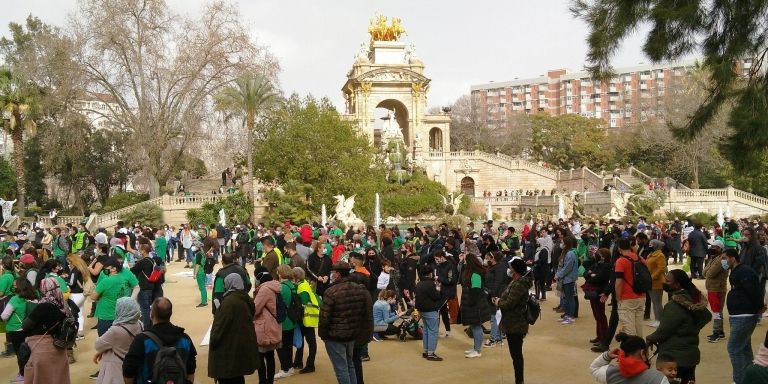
(384, 317)
(631, 355)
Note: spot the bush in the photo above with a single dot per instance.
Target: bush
(146, 214)
(122, 200)
(702, 218)
(237, 209)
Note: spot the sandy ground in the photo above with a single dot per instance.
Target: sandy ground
(554, 353)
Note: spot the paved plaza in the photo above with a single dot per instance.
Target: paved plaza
(554, 353)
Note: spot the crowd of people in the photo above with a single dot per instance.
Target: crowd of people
(361, 285)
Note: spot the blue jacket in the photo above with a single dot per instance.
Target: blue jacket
(382, 313)
(569, 272)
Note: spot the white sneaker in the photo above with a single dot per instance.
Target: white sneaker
(447, 334)
(468, 351)
(654, 324)
(282, 374)
(473, 354)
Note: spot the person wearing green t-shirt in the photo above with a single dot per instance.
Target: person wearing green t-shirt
(161, 245)
(6, 279)
(110, 287)
(15, 312)
(732, 235)
(199, 274)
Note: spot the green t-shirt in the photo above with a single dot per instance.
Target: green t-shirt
(476, 281)
(6, 283)
(337, 232)
(161, 247)
(19, 314)
(111, 288)
(732, 240)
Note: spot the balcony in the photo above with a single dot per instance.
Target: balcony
(646, 77)
(643, 86)
(613, 88)
(614, 98)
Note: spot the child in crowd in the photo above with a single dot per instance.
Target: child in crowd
(411, 326)
(667, 365)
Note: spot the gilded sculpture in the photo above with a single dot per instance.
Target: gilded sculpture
(380, 31)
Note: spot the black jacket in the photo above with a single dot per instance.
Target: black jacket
(602, 277)
(697, 244)
(427, 297)
(408, 268)
(140, 358)
(754, 256)
(496, 279)
(475, 308)
(745, 295)
(448, 277)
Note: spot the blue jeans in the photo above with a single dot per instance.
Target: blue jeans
(431, 321)
(190, 255)
(495, 332)
(569, 304)
(102, 326)
(740, 344)
(477, 336)
(340, 354)
(145, 301)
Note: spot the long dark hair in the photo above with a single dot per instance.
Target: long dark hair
(569, 243)
(24, 289)
(472, 264)
(686, 283)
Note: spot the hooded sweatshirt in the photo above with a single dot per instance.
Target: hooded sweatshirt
(630, 370)
(678, 332)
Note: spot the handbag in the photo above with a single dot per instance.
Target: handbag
(23, 353)
(590, 292)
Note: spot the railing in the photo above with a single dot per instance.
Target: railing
(640, 175)
(594, 178)
(750, 197)
(497, 199)
(119, 213)
(499, 159)
(700, 193)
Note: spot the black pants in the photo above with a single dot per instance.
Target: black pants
(16, 338)
(613, 322)
(267, 368)
(697, 267)
(647, 311)
(285, 354)
(311, 343)
(445, 316)
(232, 380)
(357, 360)
(540, 284)
(515, 344)
(686, 374)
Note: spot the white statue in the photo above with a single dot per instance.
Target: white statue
(451, 203)
(619, 202)
(410, 54)
(344, 212)
(7, 207)
(391, 129)
(362, 53)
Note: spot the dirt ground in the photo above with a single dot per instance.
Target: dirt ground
(554, 353)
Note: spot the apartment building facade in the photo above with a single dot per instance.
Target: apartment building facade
(635, 94)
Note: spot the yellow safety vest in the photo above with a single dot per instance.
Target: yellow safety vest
(312, 309)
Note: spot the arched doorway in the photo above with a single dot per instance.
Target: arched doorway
(381, 118)
(468, 186)
(435, 140)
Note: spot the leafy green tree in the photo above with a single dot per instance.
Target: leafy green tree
(18, 102)
(307, 141)
(237, 208)
(7, 180)
(724, 32)
(248, 98)
(122, 200)
(569, 141)
(33, 169)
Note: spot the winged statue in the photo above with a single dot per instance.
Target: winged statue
(344, 208)
(451, 203)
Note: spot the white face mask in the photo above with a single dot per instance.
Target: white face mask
(509, 272)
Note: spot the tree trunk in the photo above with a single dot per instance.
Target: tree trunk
(251, 186)
(154, 186)
(17, 135)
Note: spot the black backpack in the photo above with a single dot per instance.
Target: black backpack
(641, 282)
(208, 265)
(168, 366)
(65, 337)
(295, 311)
(532, 309)
(281, 310)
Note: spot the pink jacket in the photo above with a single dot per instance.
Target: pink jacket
(269, 333)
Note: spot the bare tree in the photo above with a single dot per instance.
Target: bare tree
(162, 70)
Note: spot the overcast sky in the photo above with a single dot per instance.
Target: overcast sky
(461, 42)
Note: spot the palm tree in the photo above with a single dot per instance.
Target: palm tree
(17, 104)
(249, 97)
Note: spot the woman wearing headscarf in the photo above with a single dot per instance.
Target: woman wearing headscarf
(112, 346)
(47, 363)
(233, 350)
